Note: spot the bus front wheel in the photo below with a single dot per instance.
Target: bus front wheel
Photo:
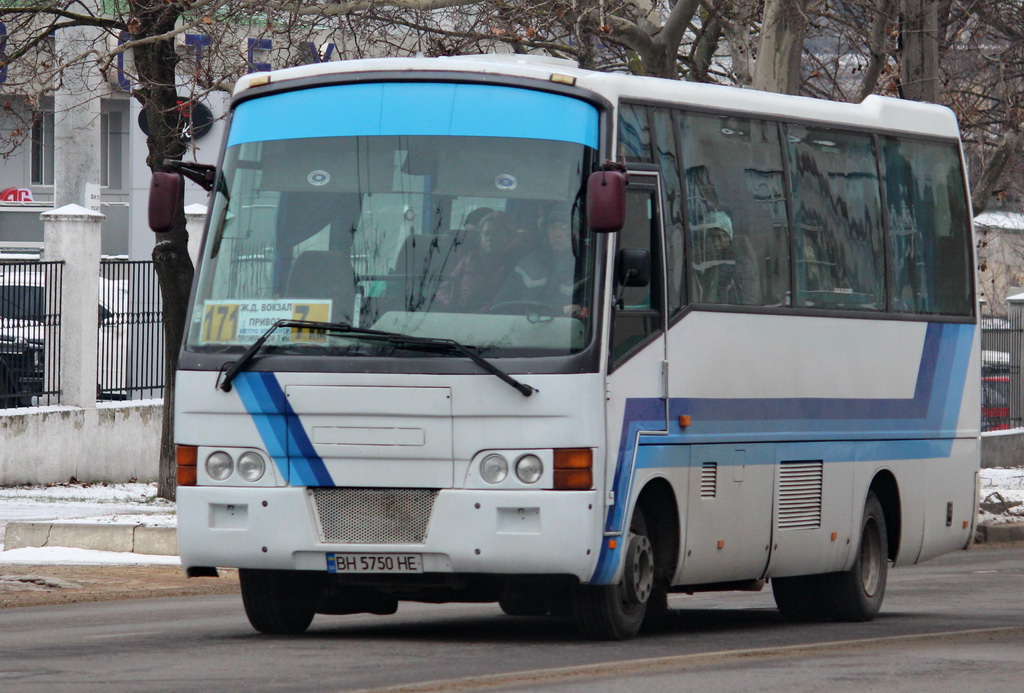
(616, 612)
(278, 602)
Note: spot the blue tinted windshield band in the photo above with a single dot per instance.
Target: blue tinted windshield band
(410, 108)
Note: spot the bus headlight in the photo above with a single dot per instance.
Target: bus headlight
(494, 469)
(219, 465)
(529, 469)
(251, 466)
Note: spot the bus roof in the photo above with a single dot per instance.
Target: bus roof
(875, 112)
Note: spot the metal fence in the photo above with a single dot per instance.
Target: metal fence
(1001, 406)
(130, 356)
(30, 340)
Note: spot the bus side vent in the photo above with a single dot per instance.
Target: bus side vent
(708, 479)
(373, 515)
(800, 490)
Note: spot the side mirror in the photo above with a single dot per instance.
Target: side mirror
(165, 195)
(606, 201)
(633, 267)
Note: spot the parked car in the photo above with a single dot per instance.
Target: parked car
(27, 312)
(21, 368)
(995, 403)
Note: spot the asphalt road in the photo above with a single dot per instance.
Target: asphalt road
(954, 624)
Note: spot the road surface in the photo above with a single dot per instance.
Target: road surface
(953, 624)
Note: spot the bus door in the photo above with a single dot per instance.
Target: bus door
(636, 390)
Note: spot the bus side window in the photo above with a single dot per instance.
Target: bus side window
(634, 133)
(736, 203)
(637, 309)
(929, 230)
(837, 219)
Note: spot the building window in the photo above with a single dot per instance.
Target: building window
(42, 149)
(112, 137)
(112, 142)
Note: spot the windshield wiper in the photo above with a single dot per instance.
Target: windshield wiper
(395, 339)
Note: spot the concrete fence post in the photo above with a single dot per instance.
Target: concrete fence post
(195, 218)
(72, 234)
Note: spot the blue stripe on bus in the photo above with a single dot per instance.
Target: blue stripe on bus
(269, 423)
(279, 426)
(406, 108)
(869, 429)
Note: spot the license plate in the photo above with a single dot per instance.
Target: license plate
(374, 563)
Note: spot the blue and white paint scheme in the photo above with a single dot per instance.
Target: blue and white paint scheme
(926, 410)
(710, 426)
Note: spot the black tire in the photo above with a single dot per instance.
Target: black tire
(616, 612)
(278, 602)
(801, 599)
(856, 594)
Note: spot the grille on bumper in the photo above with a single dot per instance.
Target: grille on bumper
(373, 515)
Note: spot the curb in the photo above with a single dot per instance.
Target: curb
(153, 541)
(1009, 532)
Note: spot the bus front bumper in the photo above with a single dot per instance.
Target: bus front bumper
(469, 531)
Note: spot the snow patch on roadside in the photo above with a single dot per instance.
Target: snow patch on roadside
(1002, 495)
(64, 556)
(92, 494)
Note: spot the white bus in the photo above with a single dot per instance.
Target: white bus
(497, 328)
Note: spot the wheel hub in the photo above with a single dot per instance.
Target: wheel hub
(638, 577)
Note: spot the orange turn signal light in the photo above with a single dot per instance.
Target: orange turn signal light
(574, 469)
(187, 457)
(187, 476)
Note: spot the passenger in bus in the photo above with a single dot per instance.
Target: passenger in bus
(477, 277)
(724, 271)
(714, 260)
(547, 274)
(475, 217)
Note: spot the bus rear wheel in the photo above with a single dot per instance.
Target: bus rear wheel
(852, 595)
(802, 598)
(616, 612)
(856, 594)
(278, 602)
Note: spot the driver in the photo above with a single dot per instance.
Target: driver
(547, 274)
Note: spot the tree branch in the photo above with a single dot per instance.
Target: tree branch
(993, 169)
(880, 11)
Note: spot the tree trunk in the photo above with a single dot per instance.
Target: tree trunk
(156, 63)
(781, 47)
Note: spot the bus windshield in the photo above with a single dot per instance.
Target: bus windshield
(475, 238)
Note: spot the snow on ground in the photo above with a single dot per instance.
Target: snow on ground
(65, 556)
(1002, 495)
(100, 492)
(116, 503)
